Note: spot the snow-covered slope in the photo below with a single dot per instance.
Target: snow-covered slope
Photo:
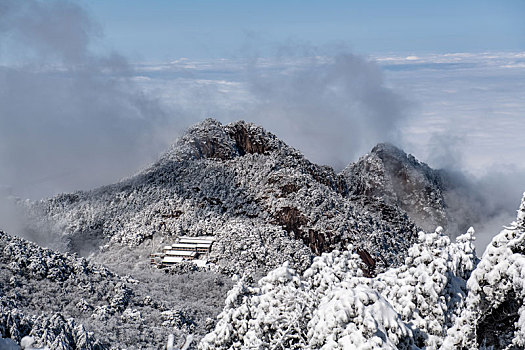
(264, 202)
(430, 197)
(66, 302)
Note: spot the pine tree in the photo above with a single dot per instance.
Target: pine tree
(494, 314)
(430, 287)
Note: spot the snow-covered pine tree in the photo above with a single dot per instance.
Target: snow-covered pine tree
(330, 269)
(494, 314)
(276, 313)
(346, 312)
(408, 307)
(232, 321)
(429, 288)
(269, 316)
(357, 317)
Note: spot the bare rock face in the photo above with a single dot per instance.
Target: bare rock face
(250, 139)
(211, 140)
(205, 140)
(293, 221)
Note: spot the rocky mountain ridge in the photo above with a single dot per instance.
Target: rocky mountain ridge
(263, 200)
(430, 197)
(400, 179)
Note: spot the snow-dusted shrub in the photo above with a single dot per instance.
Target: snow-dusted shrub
(37, 284)
(256, 246)
(54, 332)
(494, 313)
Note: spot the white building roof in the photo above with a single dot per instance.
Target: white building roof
(172, 259)
(205, 238)
(189, 246)
(195, 241)
(183, 253)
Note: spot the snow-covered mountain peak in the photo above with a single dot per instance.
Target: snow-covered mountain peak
(400, 179)
(396, 157)
(385, 147)
(213, 140)
(244, 186)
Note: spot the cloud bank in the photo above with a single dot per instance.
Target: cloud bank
(331, 109)
(69, 118)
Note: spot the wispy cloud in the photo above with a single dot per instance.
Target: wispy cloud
(466, 113)
(478, 100)
(69, 118)
(473, 96)
(469, 119)
(331, 109)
